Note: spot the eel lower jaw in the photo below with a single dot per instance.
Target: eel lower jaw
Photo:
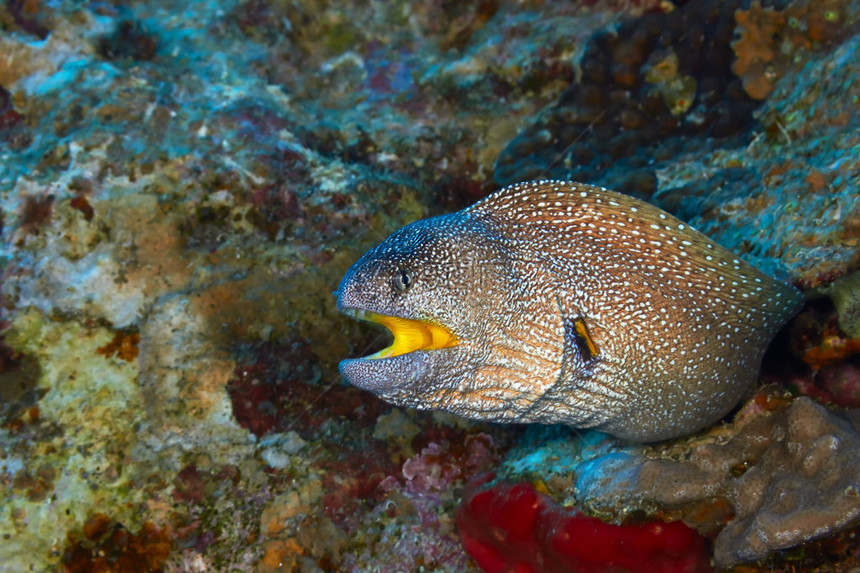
(410, 335)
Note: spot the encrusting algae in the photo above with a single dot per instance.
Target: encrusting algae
(559, 302)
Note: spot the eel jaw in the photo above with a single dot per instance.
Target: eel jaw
(409, 334)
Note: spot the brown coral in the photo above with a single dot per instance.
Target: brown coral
(123, 346)
(804, 486)
(756, 49)
(106, 545)
(769, 39)
(783, 479)
(647, 86)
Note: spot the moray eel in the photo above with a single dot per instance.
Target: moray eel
(558, 302)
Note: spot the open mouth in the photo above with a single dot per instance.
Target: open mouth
(409, 335)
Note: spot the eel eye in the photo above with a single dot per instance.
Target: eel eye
(402, 280)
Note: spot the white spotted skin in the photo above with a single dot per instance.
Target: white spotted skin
(679, 323)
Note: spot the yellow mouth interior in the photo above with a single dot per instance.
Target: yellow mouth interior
(411, 335)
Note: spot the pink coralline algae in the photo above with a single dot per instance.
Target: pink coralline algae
(514, 528)
(437, 466)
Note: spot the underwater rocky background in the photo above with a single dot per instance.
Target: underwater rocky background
(183, 188)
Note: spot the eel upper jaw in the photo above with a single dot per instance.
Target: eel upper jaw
(410, 335)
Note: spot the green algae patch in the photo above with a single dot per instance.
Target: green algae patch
(96, 450)
(96, 395)
(845, 294)
(78, 450)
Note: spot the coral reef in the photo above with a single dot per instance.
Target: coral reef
(817, 336)
(845, 293)
(818, 458)
(769, 39)
(104, 545)
(801, 154)
(8, 116)
(649, 87)
(362, 506)
(626, 124)
(779, 476)
(182, 190)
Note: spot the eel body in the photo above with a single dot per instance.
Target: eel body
(559, 302)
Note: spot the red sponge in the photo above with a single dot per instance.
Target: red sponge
(513, 528)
